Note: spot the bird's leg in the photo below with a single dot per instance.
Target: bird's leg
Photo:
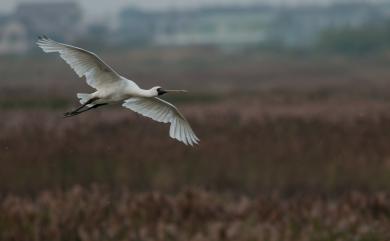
(90, 108)
(70, 113)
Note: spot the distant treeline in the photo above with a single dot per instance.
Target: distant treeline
(363, 40)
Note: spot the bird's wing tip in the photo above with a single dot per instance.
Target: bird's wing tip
(43, 37)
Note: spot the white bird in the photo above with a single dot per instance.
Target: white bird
(112, 87)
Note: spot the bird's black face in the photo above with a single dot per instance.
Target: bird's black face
(161, 91)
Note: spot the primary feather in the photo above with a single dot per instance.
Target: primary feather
(83, 62)
(162, 111)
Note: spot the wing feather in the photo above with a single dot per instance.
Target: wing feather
(83, 62)
(163, 111)
(182, 137)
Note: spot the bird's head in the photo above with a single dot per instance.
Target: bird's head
(157, 90)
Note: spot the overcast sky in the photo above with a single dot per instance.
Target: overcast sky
(95, 8)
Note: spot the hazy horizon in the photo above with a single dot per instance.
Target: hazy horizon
(104, 9)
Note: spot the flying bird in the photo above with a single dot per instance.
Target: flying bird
(112, 87)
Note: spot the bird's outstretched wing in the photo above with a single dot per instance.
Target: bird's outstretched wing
(83, 62)
(162, 111)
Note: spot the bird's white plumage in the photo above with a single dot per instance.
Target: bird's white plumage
(83, 62)
(111, 87)
(162, 111)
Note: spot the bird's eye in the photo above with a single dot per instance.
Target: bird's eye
(161, 91)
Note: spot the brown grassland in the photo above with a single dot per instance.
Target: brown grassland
(291, 149)
(98, 214)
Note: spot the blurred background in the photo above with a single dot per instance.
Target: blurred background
(290, 99)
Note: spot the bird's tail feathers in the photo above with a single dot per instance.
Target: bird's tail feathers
(83, 97)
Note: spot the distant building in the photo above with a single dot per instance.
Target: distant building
(138, 27)
(13, 38)
(302, 26)
(299, 26)
(215, 26)
(18, 31)
(57, 19)
(211, 26)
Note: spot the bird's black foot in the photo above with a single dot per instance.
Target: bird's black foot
(70, 114)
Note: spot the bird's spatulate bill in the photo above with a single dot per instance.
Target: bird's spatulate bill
(171, 91)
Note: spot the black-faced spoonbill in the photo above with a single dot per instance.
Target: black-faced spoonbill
(112, 87)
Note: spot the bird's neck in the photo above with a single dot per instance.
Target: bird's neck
(146, 93)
